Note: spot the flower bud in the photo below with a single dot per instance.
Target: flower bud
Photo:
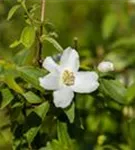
(105, 66)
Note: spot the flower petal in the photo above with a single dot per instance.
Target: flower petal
(63, 97)
(50, 81)
(85, 82)
(70, 59)
(106, 66)
(50, 65)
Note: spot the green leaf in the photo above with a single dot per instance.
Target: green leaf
(62, 133)
(42, 110)
(31, 75)
(10, 81)
(32, 132)
(7, 97)
(64, 142)
(32, 97)
(8, 73)
(70, 112)
(109, 24)
(131, 133)
(5, 138)
(113, 89)
(53, 42)
(15, 43)
(122, 42)
(24, 57)
(12, 11)
(130, 94)
(28, 36)
(54, 145)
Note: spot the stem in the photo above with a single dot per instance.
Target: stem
(29, 147)
(76, 43)
(42, 10)
(41, 31)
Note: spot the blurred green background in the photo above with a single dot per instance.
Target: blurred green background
(105, 30)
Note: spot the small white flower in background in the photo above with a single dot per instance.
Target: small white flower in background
(65, 79)
(105, 66)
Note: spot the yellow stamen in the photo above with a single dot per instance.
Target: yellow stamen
(68, 78)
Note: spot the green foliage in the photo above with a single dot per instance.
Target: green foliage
(28, 36)
(41, 111)
(7, 97)
(24, 57)
(109, 24)
(12, 11)
(15, 43)
(70, 112)
(102, 120)
(8, 75)
(123, 42)
(31, 75)
(114, 89)
(53, 42)
(32, 98)
(130, 94)
(10, 81)
(63, 141)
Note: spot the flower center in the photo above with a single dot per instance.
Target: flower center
(68, 77)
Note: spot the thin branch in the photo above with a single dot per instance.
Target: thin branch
(42, 10)
(41, 31)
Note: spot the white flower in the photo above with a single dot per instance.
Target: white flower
(65, 79)
(106, 66)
